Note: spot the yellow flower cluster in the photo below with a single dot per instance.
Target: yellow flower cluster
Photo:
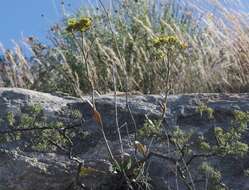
(165, 40)
(78, 25)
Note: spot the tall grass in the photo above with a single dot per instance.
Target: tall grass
(216, 59)
(15, 70)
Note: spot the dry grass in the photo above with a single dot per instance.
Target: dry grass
(216, 59)
(14, 68)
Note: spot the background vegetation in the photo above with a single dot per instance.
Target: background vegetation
(215, 58)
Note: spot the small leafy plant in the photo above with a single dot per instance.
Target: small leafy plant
(35, 132)
(184, 150)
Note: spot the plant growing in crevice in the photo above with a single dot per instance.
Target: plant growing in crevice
(36, 133)
(193, 158)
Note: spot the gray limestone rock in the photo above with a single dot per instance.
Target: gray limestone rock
(27, 170)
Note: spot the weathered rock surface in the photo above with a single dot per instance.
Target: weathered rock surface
(21, 170)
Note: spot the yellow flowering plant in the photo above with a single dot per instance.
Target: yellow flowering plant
(168, 41)
(78, 25)
(71, 24)
(75, 27)
(167, 50)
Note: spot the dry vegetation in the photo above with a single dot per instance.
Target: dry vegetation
(119, 42)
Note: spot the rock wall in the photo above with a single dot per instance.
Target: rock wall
(27, 170)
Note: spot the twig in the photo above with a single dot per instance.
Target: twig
(116, 112)
(199, 156)
(133, 121)
(38, 129)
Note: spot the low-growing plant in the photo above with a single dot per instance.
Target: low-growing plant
(186, 152)
(36, 132)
